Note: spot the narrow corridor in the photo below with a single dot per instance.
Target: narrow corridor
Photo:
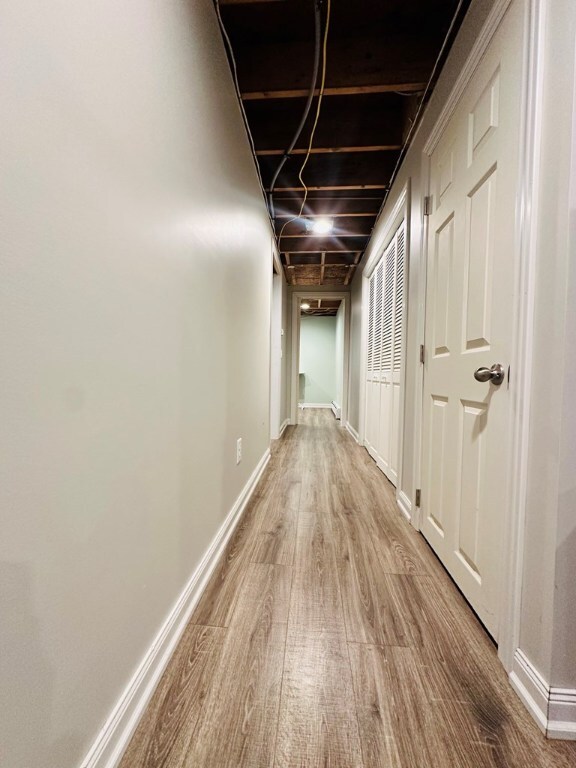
(331, 636)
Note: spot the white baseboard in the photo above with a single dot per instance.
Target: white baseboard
(554, 709)
(335, 409)
(562, 714)
(115, 736)
(315, 405)
(285, 424)
(405, 505)
(531, 687)
(353, 432)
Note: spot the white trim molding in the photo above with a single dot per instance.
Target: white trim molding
(554, 709)
(352, 431)
(285, 423)
(297, 297)
(531, 687)
(562, 714)
(483, 40)
(521, 363)
(405, 505)
(111, 742)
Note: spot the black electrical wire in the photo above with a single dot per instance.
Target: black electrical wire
(286, 155)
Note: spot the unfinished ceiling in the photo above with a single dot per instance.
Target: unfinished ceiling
(320, 307)
(380, 55)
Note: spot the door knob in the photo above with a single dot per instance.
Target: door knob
(495, 374)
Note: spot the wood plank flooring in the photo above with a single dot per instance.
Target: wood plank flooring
(331, 637)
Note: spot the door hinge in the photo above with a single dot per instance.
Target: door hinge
(422, 353)
(418, 497)
(427, 205)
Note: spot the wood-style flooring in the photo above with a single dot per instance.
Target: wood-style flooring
(331, 637)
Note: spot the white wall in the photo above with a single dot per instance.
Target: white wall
(548, 622)
(278, 358)
(317, 359)
(135, 260)
(286, 344)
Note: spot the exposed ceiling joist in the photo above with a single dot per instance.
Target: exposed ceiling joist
(316, 251)
(310, 260)
(334, 187)
(326, 244)
(353, 226)
(349, 90)
(352, 269)
(380, 55)
(365, 168)
(323, 215)
(333, 207)
(331, 150)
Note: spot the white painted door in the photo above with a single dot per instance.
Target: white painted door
(469, 323)
(385, 356)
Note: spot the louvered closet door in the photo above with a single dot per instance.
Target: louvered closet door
(393, 373)
(372, 389)
(386, 317)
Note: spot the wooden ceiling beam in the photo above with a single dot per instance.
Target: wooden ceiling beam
(326, 244)
(342, 226)
(334, 207)
(328, 262)
(307, 235)
(363, 168)
(326, 250)
(332, 187)
(331, 150)
(343, 90)
(352, 268)
(340, 214)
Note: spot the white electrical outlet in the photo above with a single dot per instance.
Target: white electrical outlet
(238, 450)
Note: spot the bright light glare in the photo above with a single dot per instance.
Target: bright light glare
(304, 306)
(322, 226)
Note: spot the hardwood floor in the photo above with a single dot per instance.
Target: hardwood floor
(331, 637)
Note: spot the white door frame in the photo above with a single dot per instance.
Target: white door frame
(297, 298)
(276, 356)
(274, 346)
(525, 257)
(400, 212)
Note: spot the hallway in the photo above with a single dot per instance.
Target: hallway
(331, 636)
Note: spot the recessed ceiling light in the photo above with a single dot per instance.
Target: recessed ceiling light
(322, 226)
(305, 306)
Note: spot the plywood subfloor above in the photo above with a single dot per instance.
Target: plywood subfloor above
(330, 635)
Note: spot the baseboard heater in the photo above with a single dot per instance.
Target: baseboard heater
(335, 409)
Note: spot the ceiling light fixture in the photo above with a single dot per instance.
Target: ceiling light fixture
(322, 226)
(305, 306)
